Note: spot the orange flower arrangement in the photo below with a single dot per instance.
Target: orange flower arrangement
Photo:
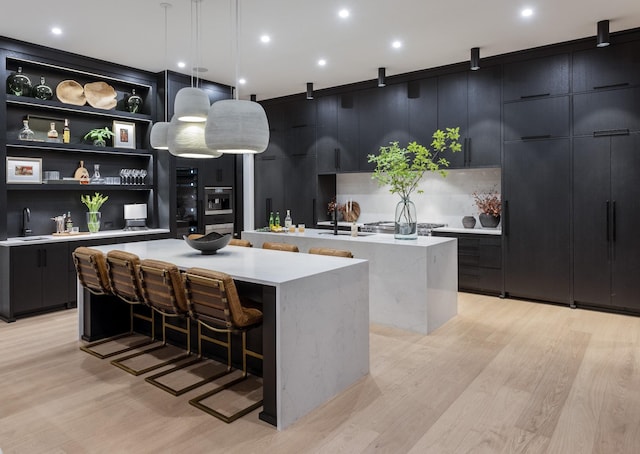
(488, 203)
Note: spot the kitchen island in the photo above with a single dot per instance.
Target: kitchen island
(316, 318)
(413, 284)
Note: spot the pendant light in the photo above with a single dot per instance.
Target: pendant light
(309, 90)
(186, 140)
(235, 126)
(158, 135)
(382, 77)
(603, 34)
(191, 103)
(475, 58)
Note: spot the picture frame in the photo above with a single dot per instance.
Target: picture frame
(24, 170)
(124, 134)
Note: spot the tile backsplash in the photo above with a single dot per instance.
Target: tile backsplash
(445, 200)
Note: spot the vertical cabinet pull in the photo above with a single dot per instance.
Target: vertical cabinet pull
(608, 206)
(613, 221)
(468, 152)
(336, 157)
(505, 222)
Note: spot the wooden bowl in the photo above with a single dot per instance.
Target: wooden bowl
(71, 92)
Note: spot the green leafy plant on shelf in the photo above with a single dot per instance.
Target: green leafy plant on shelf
(99, 136)
(403, 168)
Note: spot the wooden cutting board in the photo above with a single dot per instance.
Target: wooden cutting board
(81, 172)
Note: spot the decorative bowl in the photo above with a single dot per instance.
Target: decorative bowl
(207, 244)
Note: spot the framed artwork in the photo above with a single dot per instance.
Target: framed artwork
(124, 134)
(24, 170)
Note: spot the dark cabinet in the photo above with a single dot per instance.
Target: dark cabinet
(536, 219)
(617, 65)
(479, 262)
(536, 118)
(544, 76)
(383, 118)
(300, 180)
(337, 133)
(606, 212)
(40, 277)
(452, 112)
(485, 122)
(607, 111)
(423, 109)
(270, 179)
(219, 171)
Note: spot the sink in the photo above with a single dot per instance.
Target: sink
(342, 232)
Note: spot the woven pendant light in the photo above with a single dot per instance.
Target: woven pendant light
(158, 136)
(237, 126)
(186, 140)
(191, 105)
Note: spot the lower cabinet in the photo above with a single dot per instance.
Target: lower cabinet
(40, 278)
(479, 262)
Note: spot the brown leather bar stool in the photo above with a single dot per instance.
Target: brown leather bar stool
(280, 246)
(239, 242)
(162, 290)
(214, 303)
(330, 251)
(91, 268)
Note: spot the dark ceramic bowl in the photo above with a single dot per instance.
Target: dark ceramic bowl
(208, 244)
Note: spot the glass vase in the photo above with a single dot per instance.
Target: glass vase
(93, 221)
(406, 220)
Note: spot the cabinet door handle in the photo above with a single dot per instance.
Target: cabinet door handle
(337, 158)
(613, 221)
(314, 218)
(468, 161)
(541, 136)
(505, 226)
(600, 87)
(540, 95)
(611, 132)
(608, 206)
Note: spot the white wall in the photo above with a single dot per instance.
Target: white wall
(445, 200)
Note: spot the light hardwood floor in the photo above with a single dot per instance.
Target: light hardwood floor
(504, 376)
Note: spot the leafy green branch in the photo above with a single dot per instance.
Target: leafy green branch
(94, 202)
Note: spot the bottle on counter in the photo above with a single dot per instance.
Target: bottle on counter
(276, 220)
(271, 220)
(68, 223)
(354, 229)
(52, 135)
(287, 220)
(66, 132)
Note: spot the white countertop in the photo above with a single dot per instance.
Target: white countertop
(248, 264)
(363, 237)
(40, 239)
(475, 231)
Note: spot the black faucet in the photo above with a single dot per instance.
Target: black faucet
(26, 217)
(335, 219)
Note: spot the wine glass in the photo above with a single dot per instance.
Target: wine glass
(122, 174)
(143, 174)
(135, 173)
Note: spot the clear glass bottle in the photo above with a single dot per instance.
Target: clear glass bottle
(42, 91)
(66, 132)
(96, 178)
(52, 135)
(287, 220)
(26, 133)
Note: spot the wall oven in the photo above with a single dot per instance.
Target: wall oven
(218, 200)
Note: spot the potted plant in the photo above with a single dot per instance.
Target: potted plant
(99, 136)
(490, 208)
(94, 203)
(403, 168)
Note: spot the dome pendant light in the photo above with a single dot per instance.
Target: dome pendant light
(235, 126)
(186, 140)
(158, 136)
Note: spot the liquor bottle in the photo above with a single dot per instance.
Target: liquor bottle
(134, 102)
(42, 91)
(26, 133)
(18, 84)
(52, 135)
(66, 132)
(287, 220)
(271, 220)
(68, 223)
(276, 221)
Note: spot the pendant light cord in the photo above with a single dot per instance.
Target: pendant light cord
(237, 48)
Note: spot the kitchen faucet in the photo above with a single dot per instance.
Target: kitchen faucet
(26, 217)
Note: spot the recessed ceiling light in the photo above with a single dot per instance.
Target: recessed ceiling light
(396, 44)
(527, 12)
(322, 62)
(181, 64)
(265, 38)
(56, 31)
(344, 13)
(242, 81)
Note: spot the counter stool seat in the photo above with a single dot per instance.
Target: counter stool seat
(280, 246)
(239, 242)
(330, 251)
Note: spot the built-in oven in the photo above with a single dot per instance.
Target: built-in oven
(218, 200)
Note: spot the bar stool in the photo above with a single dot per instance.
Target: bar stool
(280, 246)
(239, 242)
(160, 286)
(91, 268)
(214, 303)
(330, 251)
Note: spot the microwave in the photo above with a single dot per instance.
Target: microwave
(218, 200)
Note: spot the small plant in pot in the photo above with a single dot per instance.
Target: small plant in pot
(490, 208)
(99, 136)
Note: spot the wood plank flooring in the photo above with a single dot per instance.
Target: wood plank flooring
(504, 376)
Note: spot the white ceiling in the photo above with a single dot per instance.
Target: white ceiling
(434, 33)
